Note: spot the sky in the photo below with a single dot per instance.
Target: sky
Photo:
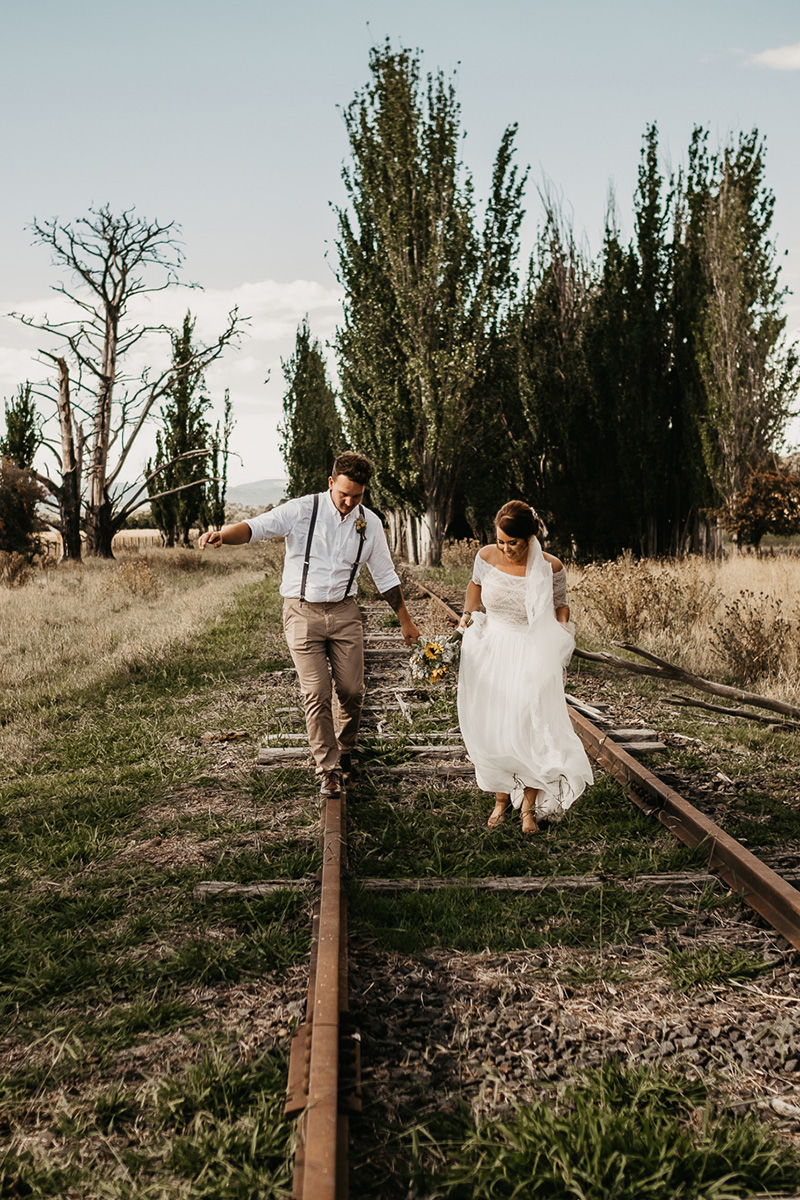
(227, 119)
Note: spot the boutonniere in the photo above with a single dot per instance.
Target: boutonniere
(361, 527)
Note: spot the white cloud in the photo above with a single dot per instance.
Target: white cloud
(780, 58)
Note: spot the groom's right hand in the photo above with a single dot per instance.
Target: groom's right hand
(410, 631)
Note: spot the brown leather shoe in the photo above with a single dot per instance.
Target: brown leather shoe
(330, 785)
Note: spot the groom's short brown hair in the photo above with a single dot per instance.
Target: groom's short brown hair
(354, 466)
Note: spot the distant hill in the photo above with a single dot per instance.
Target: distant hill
(265, 491)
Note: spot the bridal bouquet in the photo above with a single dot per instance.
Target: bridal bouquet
(431, 658)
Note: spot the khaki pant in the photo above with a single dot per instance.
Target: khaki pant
(327, 646)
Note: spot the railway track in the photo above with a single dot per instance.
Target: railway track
(324, 1087)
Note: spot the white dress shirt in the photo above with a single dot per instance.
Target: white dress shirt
(333, 549)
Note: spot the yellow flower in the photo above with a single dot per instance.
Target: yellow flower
(433, 650)
(437, 674)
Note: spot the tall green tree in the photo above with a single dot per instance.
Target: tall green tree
(749, 371)
(311, 432)
(422, 288)
(177, 476)
(628, 360)
(568, 437)
(496, 427)
(213, 512)
(656, 378)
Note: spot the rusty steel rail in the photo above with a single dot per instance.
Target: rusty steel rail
(759, 886)
(324, 1065)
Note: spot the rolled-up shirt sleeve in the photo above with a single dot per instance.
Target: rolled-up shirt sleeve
(378, 560)
(275, 523)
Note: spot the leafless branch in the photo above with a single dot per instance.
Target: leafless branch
(198, 362)
(741, 713)
(138, 499)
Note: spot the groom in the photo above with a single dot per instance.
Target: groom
(329, 537)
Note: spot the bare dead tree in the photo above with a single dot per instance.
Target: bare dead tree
(110, 260)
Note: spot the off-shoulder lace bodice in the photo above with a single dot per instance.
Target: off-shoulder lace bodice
(503, 595)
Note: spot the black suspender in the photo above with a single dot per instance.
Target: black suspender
(308, 545)
(361, 539)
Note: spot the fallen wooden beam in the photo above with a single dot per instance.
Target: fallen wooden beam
(662, 669)
(741, 713)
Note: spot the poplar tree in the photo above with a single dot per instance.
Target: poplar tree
(568, 461)
(311, 432)
(213, 510)
(177, 475)
(422, 289)
(749, 371)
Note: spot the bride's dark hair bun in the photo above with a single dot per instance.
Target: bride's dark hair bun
(518, 520)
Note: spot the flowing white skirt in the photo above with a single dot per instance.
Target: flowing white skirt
(513, 714)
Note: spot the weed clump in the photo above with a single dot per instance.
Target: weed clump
(15, 570)
(133, 578)
(704, 967)
(629, 597)
(752, 638)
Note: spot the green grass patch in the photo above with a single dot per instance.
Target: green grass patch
(469, 920)
(707, 965)
(443, 833)
(84, 949)
(108, 959)
(217, 1133)
(763, 820)
(619, 1134)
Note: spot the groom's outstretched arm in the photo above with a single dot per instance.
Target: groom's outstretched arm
(394, 598)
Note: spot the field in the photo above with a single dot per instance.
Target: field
(145, 1030)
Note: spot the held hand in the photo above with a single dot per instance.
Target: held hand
(212, 538)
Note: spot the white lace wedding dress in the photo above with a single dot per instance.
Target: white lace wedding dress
(511, 705)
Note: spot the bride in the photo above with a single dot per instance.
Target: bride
(511, 704)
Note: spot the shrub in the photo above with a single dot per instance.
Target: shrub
(187, 562)
(15, 570)
(769, 503)
(19, 496)
(752, 638)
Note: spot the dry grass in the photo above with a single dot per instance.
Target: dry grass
(72, 625)
(736, 620)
